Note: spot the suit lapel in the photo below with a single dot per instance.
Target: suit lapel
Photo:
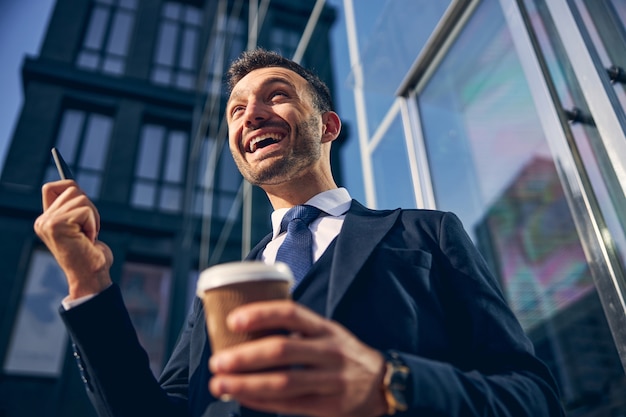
(362, 230)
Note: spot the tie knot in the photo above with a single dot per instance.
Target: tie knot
(304, 213)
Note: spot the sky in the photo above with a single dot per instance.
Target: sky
(22, 27)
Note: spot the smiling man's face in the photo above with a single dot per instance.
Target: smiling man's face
(274, 129)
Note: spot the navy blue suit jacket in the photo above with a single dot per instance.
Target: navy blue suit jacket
(407, 280)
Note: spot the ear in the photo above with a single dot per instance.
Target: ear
(331, 125)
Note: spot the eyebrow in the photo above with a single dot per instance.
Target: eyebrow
(268, 82)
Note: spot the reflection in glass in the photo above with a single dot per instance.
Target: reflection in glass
(590, 146)
(389, 52)
(490, 163)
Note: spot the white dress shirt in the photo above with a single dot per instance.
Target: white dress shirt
(334, 203)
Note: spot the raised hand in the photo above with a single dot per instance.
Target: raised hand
(69, 227)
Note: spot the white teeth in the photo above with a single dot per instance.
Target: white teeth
(255, 141)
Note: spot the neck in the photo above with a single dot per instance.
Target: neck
(294, 193)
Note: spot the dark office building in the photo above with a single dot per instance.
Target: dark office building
(132, 94)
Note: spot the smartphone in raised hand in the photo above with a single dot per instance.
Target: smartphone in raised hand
(64, 170)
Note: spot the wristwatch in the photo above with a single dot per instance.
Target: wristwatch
(395, 382)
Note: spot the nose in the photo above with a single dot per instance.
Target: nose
(256, 113)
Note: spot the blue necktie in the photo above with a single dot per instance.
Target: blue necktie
(297, 248)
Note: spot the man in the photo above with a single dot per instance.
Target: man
(399, 312)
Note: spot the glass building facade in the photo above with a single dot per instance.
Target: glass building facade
(511, 115)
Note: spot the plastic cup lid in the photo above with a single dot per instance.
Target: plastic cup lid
(237, 272)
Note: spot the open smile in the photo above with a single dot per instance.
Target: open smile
(262, 141)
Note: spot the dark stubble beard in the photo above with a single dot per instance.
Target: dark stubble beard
(306, 151)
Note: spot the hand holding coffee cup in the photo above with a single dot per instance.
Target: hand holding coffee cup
(224, 287)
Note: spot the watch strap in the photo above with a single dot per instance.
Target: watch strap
(395, 382)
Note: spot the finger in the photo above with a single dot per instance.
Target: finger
(276, 352)
(73, 200)
(50, 191)
(70, 222)
(276, 385)
(283, 314)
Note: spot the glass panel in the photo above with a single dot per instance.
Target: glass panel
(151, 146)
(90, 183)
(97, 28)
(176, 156)
(193, 16)
(389, 52)
(69, 134)
(96, 142)
(171, 10)
(490, 163)
(38, 343)
(605, 25)
(229, 176)
(129, 4)
(146, 290)
(113, 65)
(185, 80)
(189, 49)
(161, 75)
(166, 43)
(144, 194)
(224, 206)
(170, 199)
(204, 176)
(88, 60)
(120, 33)
(198, 203)
(392, 173)
(590, 145)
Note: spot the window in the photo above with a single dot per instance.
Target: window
(218, 182)
(107, 37)
(83, 140)
(285, 40)
(160, 169)
(230, 40)
(38, 343)
(176, 56)
(146, 290)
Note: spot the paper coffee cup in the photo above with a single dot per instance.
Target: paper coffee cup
(226, 286)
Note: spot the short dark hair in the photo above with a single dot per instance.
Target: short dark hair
(261, 58)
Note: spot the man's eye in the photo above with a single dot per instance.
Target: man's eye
(236, 109)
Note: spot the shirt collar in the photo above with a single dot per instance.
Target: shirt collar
(335, 202)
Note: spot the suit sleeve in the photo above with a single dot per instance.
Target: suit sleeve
(113, 365)
(493, 371)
